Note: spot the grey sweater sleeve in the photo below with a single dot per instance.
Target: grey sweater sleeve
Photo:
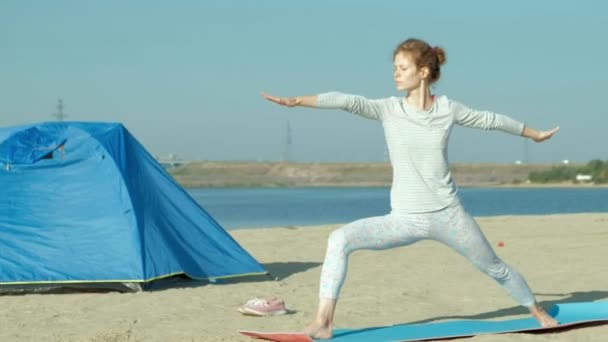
(468, 117)
(371, 109)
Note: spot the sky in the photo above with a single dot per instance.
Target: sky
(185, 77)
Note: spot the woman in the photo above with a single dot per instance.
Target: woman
(424, 200)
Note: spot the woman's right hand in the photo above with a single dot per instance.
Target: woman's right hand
(283, 101)
(539, 136)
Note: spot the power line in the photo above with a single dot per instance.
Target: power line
(288, 141)
(60, 115)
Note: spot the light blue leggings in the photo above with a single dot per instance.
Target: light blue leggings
(451, 226)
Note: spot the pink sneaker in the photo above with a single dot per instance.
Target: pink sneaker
(263, 307)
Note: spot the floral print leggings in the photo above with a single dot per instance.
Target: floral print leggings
(451, 226)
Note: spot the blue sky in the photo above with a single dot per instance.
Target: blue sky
(185, 76)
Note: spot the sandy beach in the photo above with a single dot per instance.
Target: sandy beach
(563, 258)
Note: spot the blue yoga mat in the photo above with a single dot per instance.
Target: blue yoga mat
(567, 314)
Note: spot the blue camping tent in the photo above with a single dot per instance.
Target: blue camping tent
(86, 204)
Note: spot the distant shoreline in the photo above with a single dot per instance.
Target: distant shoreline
(360, 185)
(214, 174)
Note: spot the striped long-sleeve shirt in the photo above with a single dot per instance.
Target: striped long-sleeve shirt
(417, 143)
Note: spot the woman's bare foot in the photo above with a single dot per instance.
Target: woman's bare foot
(321, 326)
(542, 316)
(319, 331)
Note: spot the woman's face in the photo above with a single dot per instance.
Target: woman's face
(407, 76)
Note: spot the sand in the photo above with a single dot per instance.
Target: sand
(563, 257)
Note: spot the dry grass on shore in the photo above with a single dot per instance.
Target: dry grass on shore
(269, 174)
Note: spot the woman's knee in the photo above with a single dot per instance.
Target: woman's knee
(337, 240)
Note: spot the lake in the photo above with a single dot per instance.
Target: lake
(239, 208)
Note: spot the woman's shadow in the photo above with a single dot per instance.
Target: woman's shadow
(573, 297)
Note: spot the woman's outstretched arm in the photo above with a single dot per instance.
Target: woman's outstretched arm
(468, 117)
(371, 109)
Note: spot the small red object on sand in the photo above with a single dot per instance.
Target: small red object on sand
(501, 244)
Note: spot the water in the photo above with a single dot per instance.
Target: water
(238, 208)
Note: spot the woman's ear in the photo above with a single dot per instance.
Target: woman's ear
(424, 72)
